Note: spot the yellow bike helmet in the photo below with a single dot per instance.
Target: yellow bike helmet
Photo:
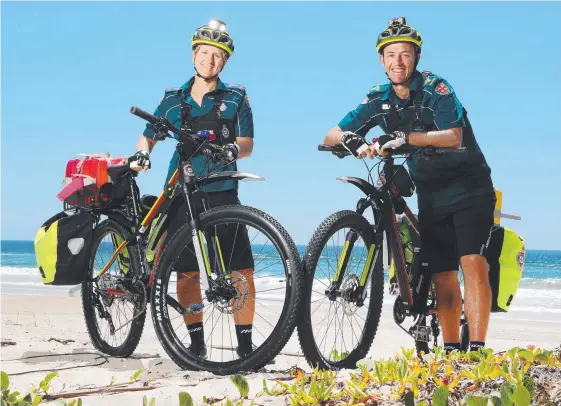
(214, 33)
(398, 31)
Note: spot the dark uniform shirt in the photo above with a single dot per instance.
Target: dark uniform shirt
(441, 181)
(224, 110)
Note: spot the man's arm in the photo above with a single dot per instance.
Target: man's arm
(448, 117)
(333, 136)
(358, 119)
(441, 139)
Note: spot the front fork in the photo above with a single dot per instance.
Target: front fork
(211, 286)
(334, 291)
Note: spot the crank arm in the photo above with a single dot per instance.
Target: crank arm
(193, 308)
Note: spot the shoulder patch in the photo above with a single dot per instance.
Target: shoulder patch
(378, 89)
(436, 84)
(429, 80)
(442, 89)
(235, 86)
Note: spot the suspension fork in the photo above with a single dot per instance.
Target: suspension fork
(374, 249)
(187, 177)
(371, 258)
(215, 243)
(350, 240)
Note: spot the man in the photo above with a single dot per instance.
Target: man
(455, 193)
(205, 103)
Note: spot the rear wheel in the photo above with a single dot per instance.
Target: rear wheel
(338, 325)
(114, 319)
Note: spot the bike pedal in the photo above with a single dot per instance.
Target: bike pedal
(195, 308)
(422, 333)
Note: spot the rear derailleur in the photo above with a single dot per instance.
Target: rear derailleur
(133, 291)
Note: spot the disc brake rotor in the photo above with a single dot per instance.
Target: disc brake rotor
(241, 286)
(348, 294)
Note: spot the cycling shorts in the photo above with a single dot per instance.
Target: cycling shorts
(448, 236)
(233, 238)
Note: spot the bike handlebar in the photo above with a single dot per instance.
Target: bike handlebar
(211, 150)
(143, 114)
(341, 152)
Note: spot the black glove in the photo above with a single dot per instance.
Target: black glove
(354, 143)
(392, 140)
(231, 152)
(142, 159)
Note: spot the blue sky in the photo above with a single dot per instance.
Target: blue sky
(71, 71)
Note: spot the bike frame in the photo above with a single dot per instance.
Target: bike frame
(381, 200)
(184, 178)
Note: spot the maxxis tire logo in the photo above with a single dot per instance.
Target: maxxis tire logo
(160, 302)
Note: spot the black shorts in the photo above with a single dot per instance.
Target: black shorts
(446, 237)
(233, 238)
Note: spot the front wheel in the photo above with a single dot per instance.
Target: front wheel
(342, 306)
(258, 282)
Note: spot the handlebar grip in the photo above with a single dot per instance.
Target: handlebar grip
(143, 114)
(332, 148)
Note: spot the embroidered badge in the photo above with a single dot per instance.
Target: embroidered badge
(429, 80)
(385, 106)
(222, 107)
(225, 132)
(442, 89)
(520, 258)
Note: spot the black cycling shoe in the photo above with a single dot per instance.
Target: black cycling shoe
(198, 350)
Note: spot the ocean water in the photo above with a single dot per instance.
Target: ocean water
(539, 290)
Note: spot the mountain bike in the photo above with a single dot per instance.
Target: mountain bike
(122, 279)
(344, 266)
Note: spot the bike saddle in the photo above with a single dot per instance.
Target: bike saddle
(147, 201)
(117, 171)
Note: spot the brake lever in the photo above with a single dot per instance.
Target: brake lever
(161, 132)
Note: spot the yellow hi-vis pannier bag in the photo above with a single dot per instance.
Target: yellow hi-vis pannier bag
(505, 255)
(63, 246)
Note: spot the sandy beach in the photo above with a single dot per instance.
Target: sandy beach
(49, 334)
